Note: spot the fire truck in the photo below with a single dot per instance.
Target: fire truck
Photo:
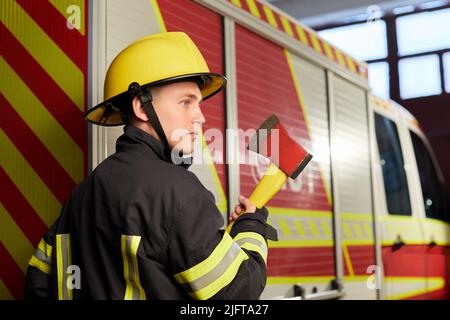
(367, 219)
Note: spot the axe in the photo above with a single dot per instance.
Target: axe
(288, 161)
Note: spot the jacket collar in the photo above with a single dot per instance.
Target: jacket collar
(134, 136)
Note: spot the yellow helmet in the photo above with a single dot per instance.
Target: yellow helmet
(149, 61)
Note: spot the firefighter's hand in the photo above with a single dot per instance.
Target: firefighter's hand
(244, 206)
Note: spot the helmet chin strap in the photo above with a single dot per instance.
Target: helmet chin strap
(134, 89)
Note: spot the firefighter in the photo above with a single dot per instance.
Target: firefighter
(141, 226)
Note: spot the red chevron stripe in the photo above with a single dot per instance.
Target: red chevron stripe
(54, 24)
(11, 274)
(278, 20)
(34, 151)
(20, 210)
(308, 37)
(262, 13)
(322, 48)
(244, 6)
(44, 87)
(294, 30)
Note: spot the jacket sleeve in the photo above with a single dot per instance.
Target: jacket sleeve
(38, 275)
(38, 281)
(210, 263)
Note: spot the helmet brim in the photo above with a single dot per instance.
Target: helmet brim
(108, 112)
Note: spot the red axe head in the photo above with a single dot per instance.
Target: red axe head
(273, 142)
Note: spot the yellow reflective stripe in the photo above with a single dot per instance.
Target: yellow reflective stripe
(129, 248)
(128, 289)
(45, 247)
(254, 242)
(208, 264)
(69, 263)
(42, 258)
(59, 266)
(44, 267)
(255, 248)
(224, 280)
(63, 261)
(134, 248)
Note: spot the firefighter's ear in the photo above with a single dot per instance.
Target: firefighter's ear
(138, 110)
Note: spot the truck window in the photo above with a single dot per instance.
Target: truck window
(392, 165)
(435, 198)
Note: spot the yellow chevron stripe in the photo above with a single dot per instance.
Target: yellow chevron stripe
(55, 62)
(328, 50)
(14, 240)
(237, 3)
(340, 57)
(313, 227)
(4, 292)
(286, 26)
(357, 229)
(315, 42)
(63, 5)
(300, 228)
(28, 182)
(253, 8)
(368, 229)
(351, 63)
(302, 35)
(326, 228)
(347, 231)
(270, 17)
(42, 123)
(284, 226)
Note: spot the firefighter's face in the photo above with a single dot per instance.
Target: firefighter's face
(178, 109)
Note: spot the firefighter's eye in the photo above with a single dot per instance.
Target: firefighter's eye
(186, 103)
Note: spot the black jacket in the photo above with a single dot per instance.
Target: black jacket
(140, 227)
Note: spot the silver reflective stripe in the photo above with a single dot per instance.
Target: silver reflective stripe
(133, 290)
(63, 260)
(263, 246)
(215, 273)
(39, 254)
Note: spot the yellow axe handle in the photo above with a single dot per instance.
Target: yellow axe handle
(270, 184)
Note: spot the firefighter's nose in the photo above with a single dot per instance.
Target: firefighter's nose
(199, 117)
